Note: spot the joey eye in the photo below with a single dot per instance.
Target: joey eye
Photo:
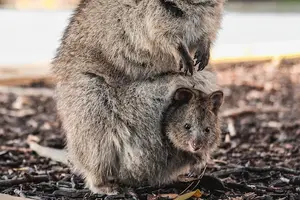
(207, 130)
(187, 126)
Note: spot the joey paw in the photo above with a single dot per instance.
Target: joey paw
(202, 56)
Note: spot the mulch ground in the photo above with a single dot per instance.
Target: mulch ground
(259, 157)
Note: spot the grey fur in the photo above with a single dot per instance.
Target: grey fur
(135, 39)
(123, 135)
(114, 124)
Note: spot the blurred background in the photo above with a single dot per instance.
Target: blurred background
(30, 29)
(256, 59)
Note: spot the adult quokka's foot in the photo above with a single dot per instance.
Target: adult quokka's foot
(99, 187)
(108, 189)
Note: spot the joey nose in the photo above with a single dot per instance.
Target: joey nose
(195, 145)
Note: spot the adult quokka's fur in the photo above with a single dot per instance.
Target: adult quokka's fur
(143, 133)
(134, 39)
(114, 125)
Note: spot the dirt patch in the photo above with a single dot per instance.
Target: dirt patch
(259, 157)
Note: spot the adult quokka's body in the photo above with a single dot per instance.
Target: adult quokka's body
(110, 122)
(133, 39)
(143, 133)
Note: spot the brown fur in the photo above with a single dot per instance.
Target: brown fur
(193, 126)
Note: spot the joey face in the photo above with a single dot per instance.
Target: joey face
(192, 124)
(203, 132)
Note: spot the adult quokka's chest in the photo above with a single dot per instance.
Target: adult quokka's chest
(193, 30)
(200, 23)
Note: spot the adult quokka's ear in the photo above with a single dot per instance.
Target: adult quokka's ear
(216, 99)
(183, 95)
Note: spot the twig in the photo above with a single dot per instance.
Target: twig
(33, 179)
(243, 187)
(207, 181)
(11, 164)
(71, 193)
(188, 187)
(20, 149)
(278, 169)
(200, 177)
(270, 189)
(27, 91)
(256, 86)
(231, 128)
(226, 173)
(235, 112)
(19, 192)
(17, 113)
(291, 125)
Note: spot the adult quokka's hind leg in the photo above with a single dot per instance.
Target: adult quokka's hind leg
(101, 175)
(86, 109)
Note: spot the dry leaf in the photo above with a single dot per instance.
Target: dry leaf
(196, 193)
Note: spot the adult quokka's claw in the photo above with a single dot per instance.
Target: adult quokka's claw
(187, 67)
(180, 65)
(186, 62)
(202, 56)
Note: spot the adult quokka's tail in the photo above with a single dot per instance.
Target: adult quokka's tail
(58, 155)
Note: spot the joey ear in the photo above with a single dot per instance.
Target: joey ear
(183, 95)
(216, 98)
